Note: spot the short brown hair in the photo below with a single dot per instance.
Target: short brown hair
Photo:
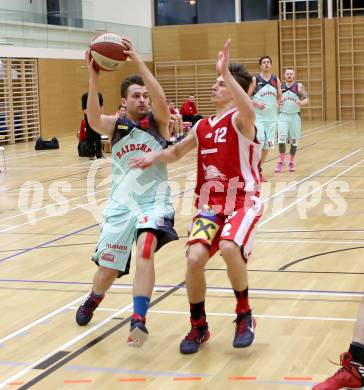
(133, 79)
(263, 58)
(241, 75)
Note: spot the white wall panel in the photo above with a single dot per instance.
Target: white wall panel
(36, 6)
(134, 12)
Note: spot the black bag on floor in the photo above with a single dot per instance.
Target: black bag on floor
(42, 144)
(83, 149)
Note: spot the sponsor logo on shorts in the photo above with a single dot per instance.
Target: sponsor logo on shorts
(143, 219)
(226, 231)
(204, 229)
(122, 248)
(108, 257)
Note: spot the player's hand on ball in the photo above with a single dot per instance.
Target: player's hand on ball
(129, 50)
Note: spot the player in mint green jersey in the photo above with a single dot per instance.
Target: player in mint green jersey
(266, 93)
(294, 96)
(139, 207)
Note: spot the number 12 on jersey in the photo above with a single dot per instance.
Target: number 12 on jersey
(220, 135)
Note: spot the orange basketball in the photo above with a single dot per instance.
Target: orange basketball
(108, 51)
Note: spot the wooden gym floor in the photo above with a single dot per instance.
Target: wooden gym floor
(305, 276)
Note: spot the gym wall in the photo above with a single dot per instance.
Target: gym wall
(202, 41)
(61, 84)
(328, 59)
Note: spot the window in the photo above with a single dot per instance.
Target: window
(174, 12)
(259, 9)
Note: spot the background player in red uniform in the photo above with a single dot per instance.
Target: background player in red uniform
(227, 192)
(189, 110)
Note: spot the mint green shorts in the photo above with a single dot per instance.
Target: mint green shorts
(119, 231)
(266, 133)
(289, 128)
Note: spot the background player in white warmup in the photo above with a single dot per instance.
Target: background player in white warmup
(266, 93)
(294, 96)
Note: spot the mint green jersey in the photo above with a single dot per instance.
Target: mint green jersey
(291, 96)
(139, 200)
(134, 189)
(266, 92)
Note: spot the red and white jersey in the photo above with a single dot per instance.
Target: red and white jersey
(228, 163)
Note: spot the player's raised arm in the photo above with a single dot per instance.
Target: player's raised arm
(246, 117)
(103, 124)
(160, 107)
(167, 156)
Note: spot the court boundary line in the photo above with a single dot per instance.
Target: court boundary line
(165, 287)
(265, 240)
(310, 193)
(40, 320)
(82, 349)
(332, 126)
(4, 259)
(61, 348)
(284, 267)
(233, 315)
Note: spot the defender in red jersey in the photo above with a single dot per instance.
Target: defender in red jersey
(227, 197)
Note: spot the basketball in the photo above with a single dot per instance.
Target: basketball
(108, 51)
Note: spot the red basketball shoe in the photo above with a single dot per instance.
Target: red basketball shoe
(198, 334)
(244, 330)
(350, 375)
